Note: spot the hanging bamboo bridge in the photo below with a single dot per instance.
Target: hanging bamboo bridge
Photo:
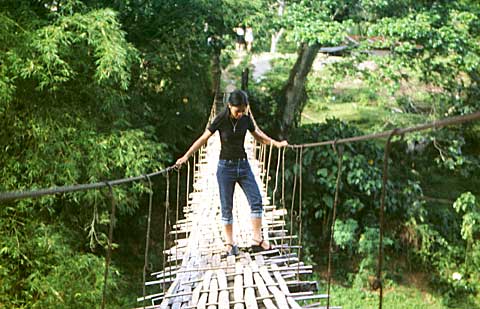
(197, 275)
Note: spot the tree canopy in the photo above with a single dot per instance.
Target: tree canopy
(97, 90)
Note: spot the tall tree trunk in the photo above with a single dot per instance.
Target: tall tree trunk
(293, 95)
(215, 71)
(276, 36)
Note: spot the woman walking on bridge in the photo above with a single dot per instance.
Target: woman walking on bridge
(233, 166)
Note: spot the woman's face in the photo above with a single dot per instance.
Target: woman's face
(237, 111)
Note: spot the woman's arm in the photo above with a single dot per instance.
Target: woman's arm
(263, 138)
(195, 146)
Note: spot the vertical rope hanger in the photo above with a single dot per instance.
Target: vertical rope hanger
(165, 230)
(378, 281)
(147, 239)
(276, 177)
(293, 203)
(282, 201)
(195, 166)
(260, 155)
(283, 178)
(276, 185)
(268, 166)
(299, 217)
(332, 229)
(258, 150)
(187, 191)
(264, 162)
(176, 217)
(109, 250)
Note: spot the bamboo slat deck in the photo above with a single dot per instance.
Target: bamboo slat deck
(205, 279)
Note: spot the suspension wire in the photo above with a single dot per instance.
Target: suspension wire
(260, 154)
(9, 196)
(282, 202)
(176, 217)
(335, 203)
(6, 196)
(188, 188)
(299, 217)
(293, 203)
(259, 151)
(109, 249)
(378, 281)
(262, 159)
(167, 204)
(188, 179)
(194, 167)
(147, 239)
(268, 165)
(283, 177)
(265, 170)
(276, 177)
(264, 156)
(425, 126)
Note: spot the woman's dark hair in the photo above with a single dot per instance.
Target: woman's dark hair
(238, 97)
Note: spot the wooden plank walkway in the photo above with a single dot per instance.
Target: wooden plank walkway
(202, 278)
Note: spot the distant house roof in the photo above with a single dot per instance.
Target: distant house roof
(355, 40)
(334, 50)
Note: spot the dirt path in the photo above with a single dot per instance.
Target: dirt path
(261, 64)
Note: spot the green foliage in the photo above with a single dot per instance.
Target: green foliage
(359, 189)
(55, 54)
(440, 42)
(47, 270)
(432, 44)
(368, 245)
(467, 204)
(92, 91)
(322, 22)
(345, 234)
(455, 262)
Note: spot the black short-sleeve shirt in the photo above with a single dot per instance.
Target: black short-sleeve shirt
(232, 134)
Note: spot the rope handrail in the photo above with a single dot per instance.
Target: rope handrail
(15, 195)
(399, 131)
(9, 196)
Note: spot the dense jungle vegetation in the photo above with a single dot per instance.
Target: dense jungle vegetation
(99, 90)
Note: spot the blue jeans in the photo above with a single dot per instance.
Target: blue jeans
(229, 172)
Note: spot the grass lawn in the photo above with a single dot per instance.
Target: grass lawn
(351, 112)
(369, 117)
(397, 297)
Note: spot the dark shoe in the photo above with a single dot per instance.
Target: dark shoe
(233, 250)
(259, 248)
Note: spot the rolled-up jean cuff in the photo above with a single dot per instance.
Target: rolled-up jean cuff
(227, 221)
(256, 214)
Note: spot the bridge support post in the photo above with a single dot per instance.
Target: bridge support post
(109, 249)
(378, 284)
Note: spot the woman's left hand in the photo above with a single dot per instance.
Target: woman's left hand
(281, 144)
